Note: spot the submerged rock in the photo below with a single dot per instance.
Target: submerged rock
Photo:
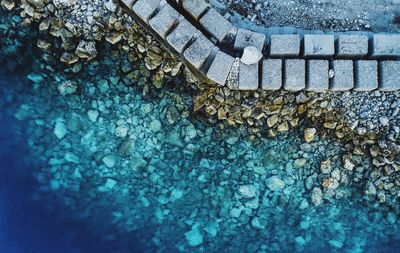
(274, 183)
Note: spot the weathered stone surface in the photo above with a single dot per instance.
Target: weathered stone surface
(271, 74)
(198, 52)
(366, 75)
(352, 45)
(285, 45)
(343, 78)
(195, 8)
(389, 77)
(295, 75)
(386, 45)
(215, 24)
(251, 55)
(319, 45)
(163, 21)
(245, 38)
(219, 69)
(144, 9)
(181, 35)
(318, 75)
(248, 77)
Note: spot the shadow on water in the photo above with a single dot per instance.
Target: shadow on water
(28, 225)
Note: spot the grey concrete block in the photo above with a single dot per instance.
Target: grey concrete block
(215, 24)
(144, 9)
(285, 45)
(366, 75)
(389, 77)
(319, 45)
(198, 52)
(271, 74)
(220, 67)
(128, 3)
(248, 77)
(352, 45)
(164, 20)
(181, 35)
(343, 78)
(195, 7)
(317, 75)
(245, 38)
(295, 75)
(386, 45)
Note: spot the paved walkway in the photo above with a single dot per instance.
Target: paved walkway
(217, 51)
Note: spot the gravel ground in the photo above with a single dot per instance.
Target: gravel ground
(337, 15)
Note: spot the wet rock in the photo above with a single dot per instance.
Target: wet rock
(274, 183)
(194, 237)
(86, 50)
(67, 88)
(309, 134)
(248, 191)
(109, 161)
(155, 125)
(60, 130)
(316, 196)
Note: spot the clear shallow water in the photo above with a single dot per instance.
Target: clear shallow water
(164, 185)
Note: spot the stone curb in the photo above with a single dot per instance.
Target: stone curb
(208, 43)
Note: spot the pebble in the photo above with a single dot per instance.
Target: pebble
(60, 130)
(251, 55)
(248, 191)
(274, 183)
(109, 161)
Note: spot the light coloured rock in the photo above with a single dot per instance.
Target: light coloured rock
(248, 191)
(316, 196)
(109, 161)
(93, 115)
(271, 121)
(67, 88)
(194, 237)
(121, 131)
(251, 55)
(155, 125)
(274, 183)
(60, 130)
(309, 134)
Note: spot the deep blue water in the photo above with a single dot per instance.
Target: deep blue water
(27, 225)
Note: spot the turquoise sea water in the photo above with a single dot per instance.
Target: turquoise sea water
(112, 168)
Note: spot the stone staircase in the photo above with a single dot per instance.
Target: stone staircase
(214, 50)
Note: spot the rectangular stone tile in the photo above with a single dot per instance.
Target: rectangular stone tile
(343, 78)
(295, 75)
(285, 45)
(352, 45)
(181, 35)
(245, 38)
(319, 45)
(220, 67)
(389, 77)
(271, 74)
(198, 52)
(195, 7)
(386, 45)
(317, 75)
(215, 24)
(144, 9)
(164, 20)
(366, 75)
(248, 76)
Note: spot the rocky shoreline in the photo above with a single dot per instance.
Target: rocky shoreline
(108, 141)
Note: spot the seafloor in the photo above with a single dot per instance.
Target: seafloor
(126, 165)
